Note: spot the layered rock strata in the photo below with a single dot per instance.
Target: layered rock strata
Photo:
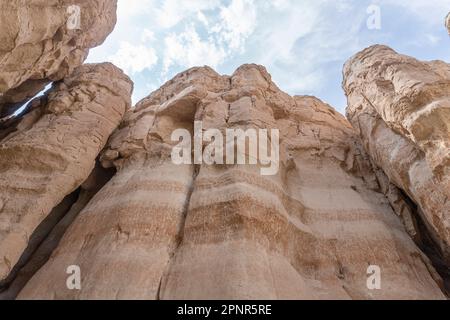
(53, 150)
(194, 231)
(400, 107)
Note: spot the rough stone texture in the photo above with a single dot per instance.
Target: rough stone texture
(47, 235)
(53, 151)
(37, 47)
(161, 231)
(401, 109)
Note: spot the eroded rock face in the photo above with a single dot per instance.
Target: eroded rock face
(163, 231)
(54, 149)
(42, 42)
(401, 109)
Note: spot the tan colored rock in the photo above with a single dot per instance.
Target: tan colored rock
(54, 150)
(40, 42)
(401, 109)
(162, 231)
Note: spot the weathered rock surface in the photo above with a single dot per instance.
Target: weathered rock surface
(48, 234)
(40, 42)
(401, 109)
(53, 151)
(163, 231)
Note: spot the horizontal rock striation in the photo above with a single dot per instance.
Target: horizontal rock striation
(44, 41)
(400, 107)
(195, 231)
(53, 151)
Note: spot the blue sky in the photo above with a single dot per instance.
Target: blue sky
(302, 43)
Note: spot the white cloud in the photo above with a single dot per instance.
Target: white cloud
(431, 12)
(134, 59)
(148, 36)
(187, 49)
(127, 9)
(172, 12)
(231, 26)
(295, 22)
(237, 23)
(303, 43)
(433, 39)
(203, 19)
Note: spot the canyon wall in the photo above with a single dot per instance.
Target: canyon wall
(400, 107)
(44, 41)
(163, 231)
(88, 181)
(54, 149)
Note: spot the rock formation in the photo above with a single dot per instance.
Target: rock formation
(163, 231)
(54, 150)
(44, 41)
(401, 109)
(87, 181)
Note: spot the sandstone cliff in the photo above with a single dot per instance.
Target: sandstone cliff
(401, 109)
(163, 231)
(87, 181)
(42, 41)
(53, 151)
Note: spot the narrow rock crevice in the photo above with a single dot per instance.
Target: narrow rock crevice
(429, 247)
(180, 235)
(187, 204)
(48, 235)
(10, 122)
(417, 228)
(13, 112)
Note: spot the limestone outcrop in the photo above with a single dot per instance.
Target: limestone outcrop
(158, 230)
(44, 41)
(400, 107)
(53, 150)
